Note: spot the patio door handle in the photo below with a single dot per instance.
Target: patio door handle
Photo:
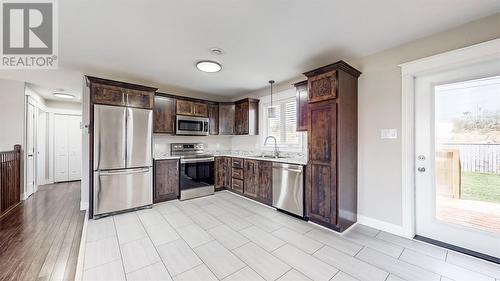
(421, 169)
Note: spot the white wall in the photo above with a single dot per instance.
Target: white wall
(379, 170)
(11, 114)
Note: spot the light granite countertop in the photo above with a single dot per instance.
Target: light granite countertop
(294, 158)
(290, 158)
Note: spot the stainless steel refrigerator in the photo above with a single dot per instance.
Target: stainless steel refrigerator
(123, 173)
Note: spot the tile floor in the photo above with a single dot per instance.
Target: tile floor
(226, 237)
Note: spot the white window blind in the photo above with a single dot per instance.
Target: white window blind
(283, 126)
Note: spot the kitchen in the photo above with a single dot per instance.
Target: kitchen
(189, 170)
(253, 140)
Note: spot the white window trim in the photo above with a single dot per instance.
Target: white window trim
(265, 101)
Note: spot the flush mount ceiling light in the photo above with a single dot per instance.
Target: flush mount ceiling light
(208, 66)
(64, 96)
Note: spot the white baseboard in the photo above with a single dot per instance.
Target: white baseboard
(381, 225)
(81, 253)
(84, 206)
(23, 196)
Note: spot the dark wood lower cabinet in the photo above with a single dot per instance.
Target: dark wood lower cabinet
(222, 173)
(251, 177)
(253, 180)
(265, 191)
(166, 180)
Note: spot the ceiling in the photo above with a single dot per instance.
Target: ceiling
(159, 41)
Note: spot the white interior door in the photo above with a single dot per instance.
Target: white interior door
(61, 149)
(30, 149)
(436, 161)
(41, 148)
(75, 148)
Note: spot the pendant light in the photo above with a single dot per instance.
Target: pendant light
(271, 111)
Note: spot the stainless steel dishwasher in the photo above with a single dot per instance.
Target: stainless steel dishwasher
(288, 188)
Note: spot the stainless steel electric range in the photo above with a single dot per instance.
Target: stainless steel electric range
(197, 170)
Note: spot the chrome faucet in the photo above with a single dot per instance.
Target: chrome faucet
(276, 152)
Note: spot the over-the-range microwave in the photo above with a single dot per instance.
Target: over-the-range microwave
(187, 125)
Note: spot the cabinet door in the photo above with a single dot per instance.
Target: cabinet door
(321, 184)
(219, 173)
(265, 192)
(227, 172)
(111, 95)
(323, 87)
(241, 118)
(213, 119)
(166, 180)
(164, 115)
(200, 109)
(226, 119)
(139, 99)
(302, 102)
(185, 107)
(251, 177)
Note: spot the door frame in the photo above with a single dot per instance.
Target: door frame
(409, 71)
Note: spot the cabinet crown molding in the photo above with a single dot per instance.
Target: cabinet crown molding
(97, 80)
(340, 65)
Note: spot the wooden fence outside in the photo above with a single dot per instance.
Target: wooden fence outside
(10, 179)
(479, 158)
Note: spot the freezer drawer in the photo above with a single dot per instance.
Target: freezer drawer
(119, 190)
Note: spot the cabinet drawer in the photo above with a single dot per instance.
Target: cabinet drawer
(237, 173)
(237, 163)
(237, 185)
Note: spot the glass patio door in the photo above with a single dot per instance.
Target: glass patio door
(457, 161)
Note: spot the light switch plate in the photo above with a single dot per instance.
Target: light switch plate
(389, 134)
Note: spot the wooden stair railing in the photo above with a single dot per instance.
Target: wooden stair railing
(10, 179)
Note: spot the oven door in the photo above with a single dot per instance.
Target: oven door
(191, 126)
(197, 172)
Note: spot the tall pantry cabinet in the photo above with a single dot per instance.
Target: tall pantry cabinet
(331, 178)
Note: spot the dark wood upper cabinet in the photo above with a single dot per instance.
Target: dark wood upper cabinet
(247, 117)
(192, 108)
(331, 177)
(226, 118)
(323, 87)
(164, 115)
(185, 107)
(166, 180)
(302, 99)
(200, 109)
(213, 118)
(109, 92)
(251, 178)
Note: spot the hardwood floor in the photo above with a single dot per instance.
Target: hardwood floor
(40, 238)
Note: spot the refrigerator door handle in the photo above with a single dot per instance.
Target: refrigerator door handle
(123, 172)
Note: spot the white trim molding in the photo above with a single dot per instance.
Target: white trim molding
(485, 51)
(381, 225)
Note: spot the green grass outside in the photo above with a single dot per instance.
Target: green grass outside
(481, 187)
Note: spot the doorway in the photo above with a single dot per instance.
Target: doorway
(30, 148)
(457, 157)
